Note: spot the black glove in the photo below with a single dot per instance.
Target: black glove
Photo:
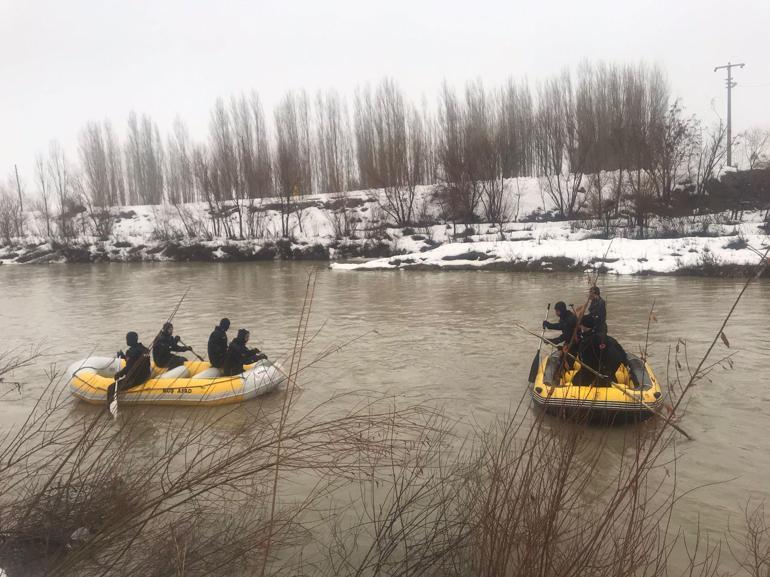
(545, 325)
(176, 338)
(188, 348)
(120, 355)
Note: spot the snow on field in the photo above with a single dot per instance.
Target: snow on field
(618, 256)
(564, 245)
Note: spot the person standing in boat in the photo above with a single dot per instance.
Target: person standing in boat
(238, 354)
(597, 309)
(165, 345)
(567, 325)
(137, 369)
(600, 352)
(218, 344)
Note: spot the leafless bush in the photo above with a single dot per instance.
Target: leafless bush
(751, 547)
(194, 226)
(754, 146)
(165, 228)
(522, 497)
(344, 220)
(79, 497)
(255, 219)
(101, 217)
(497, 206)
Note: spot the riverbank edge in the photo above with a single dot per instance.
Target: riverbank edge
(79, 252)
(558, 266)
(342, 256)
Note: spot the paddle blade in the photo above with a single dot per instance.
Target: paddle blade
(534, 368)
(114, 407)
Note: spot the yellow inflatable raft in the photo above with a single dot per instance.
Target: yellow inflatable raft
(194, 383)
(620, 402)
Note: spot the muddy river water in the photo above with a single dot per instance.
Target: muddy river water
(442, 338)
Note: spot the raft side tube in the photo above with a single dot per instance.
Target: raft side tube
(102, 366)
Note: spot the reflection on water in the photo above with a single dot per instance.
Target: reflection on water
(442, 338)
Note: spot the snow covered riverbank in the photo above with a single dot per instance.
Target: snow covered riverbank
(355, 232)
(694, 255)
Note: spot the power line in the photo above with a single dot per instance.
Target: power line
(730, 84)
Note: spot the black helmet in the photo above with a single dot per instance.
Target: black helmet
(168, 327)
(224, 324)
(560, 306)
(242, 334)
(595, 290)
(131, 338)
(588, 322)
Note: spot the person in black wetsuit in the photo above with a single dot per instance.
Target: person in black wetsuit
(597, 309)
(164, 345)
(600, 352)
(218, 344)
(238, 354)
(567, 323)
(137, 369)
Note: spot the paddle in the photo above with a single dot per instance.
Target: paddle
(536, 361)
(114, 403)
(617, 386)
(200, 358)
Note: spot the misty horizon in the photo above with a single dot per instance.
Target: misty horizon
(86, 62)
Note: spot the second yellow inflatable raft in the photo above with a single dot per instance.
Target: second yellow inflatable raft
(556, 393)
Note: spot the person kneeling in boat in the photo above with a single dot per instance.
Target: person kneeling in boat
(600, 352)
(218, 344)
(164, 345)
(238, 354)
(137, 369)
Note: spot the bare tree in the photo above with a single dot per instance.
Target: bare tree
(515, 130)
(180, 184)
(115, 174)
(9, 212)
(224, 164)
(401, 147)
(292, 161)
(44, 191)
(261, 173)
(61, 177)
(670, 149)
(333, 146)
(561, 158)
(461, 128)
(708, 152)
(93, 159)
(754, 146)
(206, 184)
(252, 157)
(144, 161)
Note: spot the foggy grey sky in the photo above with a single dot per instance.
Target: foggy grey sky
(64, 62)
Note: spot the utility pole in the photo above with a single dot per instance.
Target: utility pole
(729, 66)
